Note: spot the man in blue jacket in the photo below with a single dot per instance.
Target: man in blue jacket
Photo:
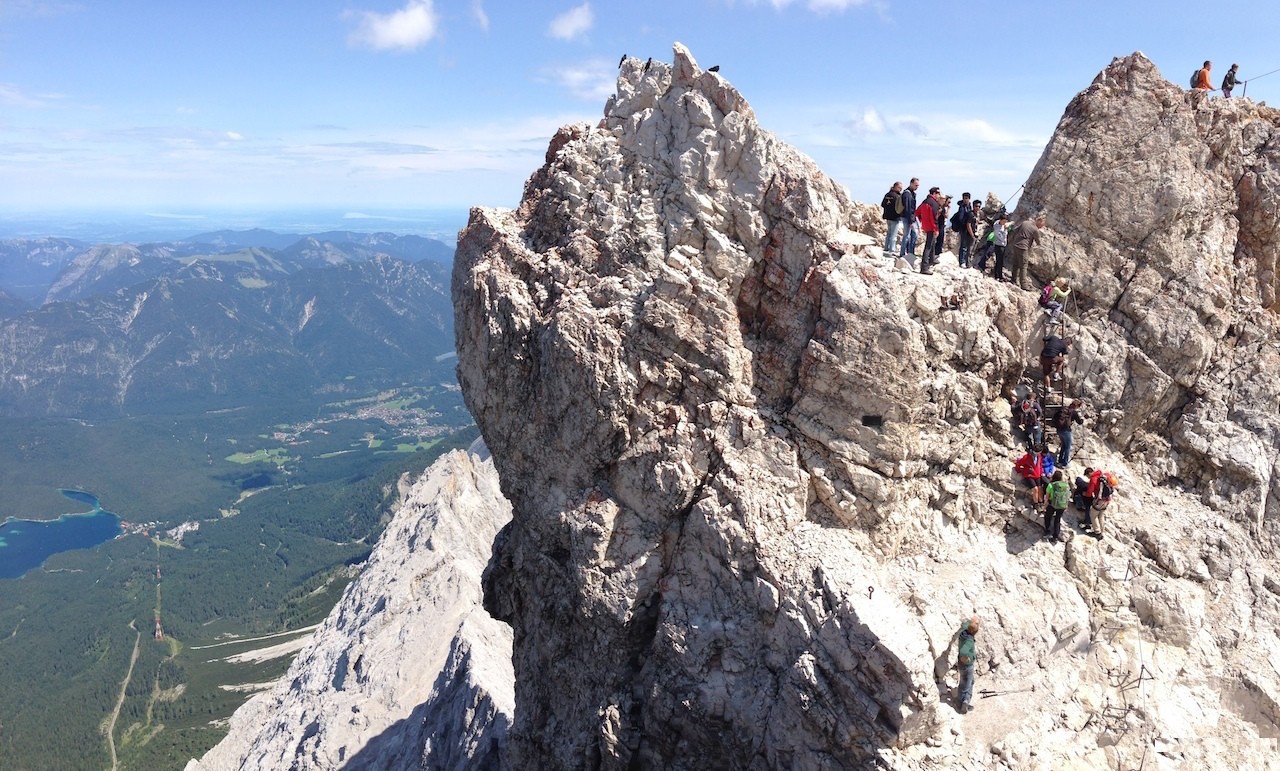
(907, 244)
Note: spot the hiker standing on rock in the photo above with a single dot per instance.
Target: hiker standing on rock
(1229, 81)
(892, 214)
(1059, 493)
(927, 213)
(1000, 239)
(1062, 423)
(1084, 498)
(939, 244)
(966, 657)
(1202, 82)
(1025, 236)
(908, 245)
(1030, 415)
(962, 223)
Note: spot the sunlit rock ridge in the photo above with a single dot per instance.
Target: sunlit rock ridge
(408, 671)
(758, 478)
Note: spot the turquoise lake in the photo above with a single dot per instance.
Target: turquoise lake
(26, 543)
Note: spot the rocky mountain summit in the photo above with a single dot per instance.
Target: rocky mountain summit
(759, 478)
(408, 671)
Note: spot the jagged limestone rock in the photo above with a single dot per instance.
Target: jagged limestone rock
(759, 477)
(408, 671)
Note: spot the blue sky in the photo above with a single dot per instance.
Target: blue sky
(367, 105)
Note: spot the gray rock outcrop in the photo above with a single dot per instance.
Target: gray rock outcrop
(759, 478)
(408, 671)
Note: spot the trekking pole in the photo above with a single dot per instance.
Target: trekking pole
(987, 694)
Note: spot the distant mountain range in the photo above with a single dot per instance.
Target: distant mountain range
(145, 329)
(34, 271)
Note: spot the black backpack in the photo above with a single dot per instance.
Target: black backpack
(957, 220)
(891, 204)
(1195, 78)
(1102, 496)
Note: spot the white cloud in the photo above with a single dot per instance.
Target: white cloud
(477, 12)
(571, 23)
(13, 96)
(822, 6)
(406, 29)
(867, 122)
(592, 80)
(234, 136)
(184, 110)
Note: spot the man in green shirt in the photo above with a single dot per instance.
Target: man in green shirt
(1059, 493)
(967, 655)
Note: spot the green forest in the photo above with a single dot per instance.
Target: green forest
(274, 550)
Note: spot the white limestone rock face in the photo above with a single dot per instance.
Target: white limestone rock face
(408, 671)
(759, 478)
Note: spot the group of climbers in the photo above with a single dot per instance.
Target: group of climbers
(980, 235)
(1201, 79)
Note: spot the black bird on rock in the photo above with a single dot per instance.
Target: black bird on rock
(715, 68)
(646, 66)
(620, 61)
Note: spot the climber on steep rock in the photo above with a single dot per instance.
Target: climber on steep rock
(1053, 298)
(1084, 499)
(1053, 358)
(966, 657)
(1025, 236)
(1102, 485)
(1062, 423)
(1030, 417)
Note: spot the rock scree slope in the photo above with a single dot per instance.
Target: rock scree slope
(759, 479)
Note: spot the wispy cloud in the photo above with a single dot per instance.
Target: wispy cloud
(413, 26)
(13, 96)
(592, 80)
(823, 6)
(941, 129)
(477, 13)
(571, 23)
(34, 8)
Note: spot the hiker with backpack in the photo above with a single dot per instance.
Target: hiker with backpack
(999, 237)
(1067, 416)
(966, 659)
(1053, 357)
(1229, 81)
(1084, 501)
(1102, 485)
(1025, 236)
(1030, 415)
(909, 224)
(962, 222)
(1200, 78)
(1053, 298)
(1058, 493)
(928, 213)
(892, 209)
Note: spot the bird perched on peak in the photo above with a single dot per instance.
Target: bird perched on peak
(620, 61)
(715, 68)
(646, 65)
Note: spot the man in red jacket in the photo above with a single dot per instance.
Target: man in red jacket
(927, 213)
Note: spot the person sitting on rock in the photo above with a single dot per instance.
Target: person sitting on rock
(966, 658)
(1059, 493)
(1032, 467)
(1053, 357)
